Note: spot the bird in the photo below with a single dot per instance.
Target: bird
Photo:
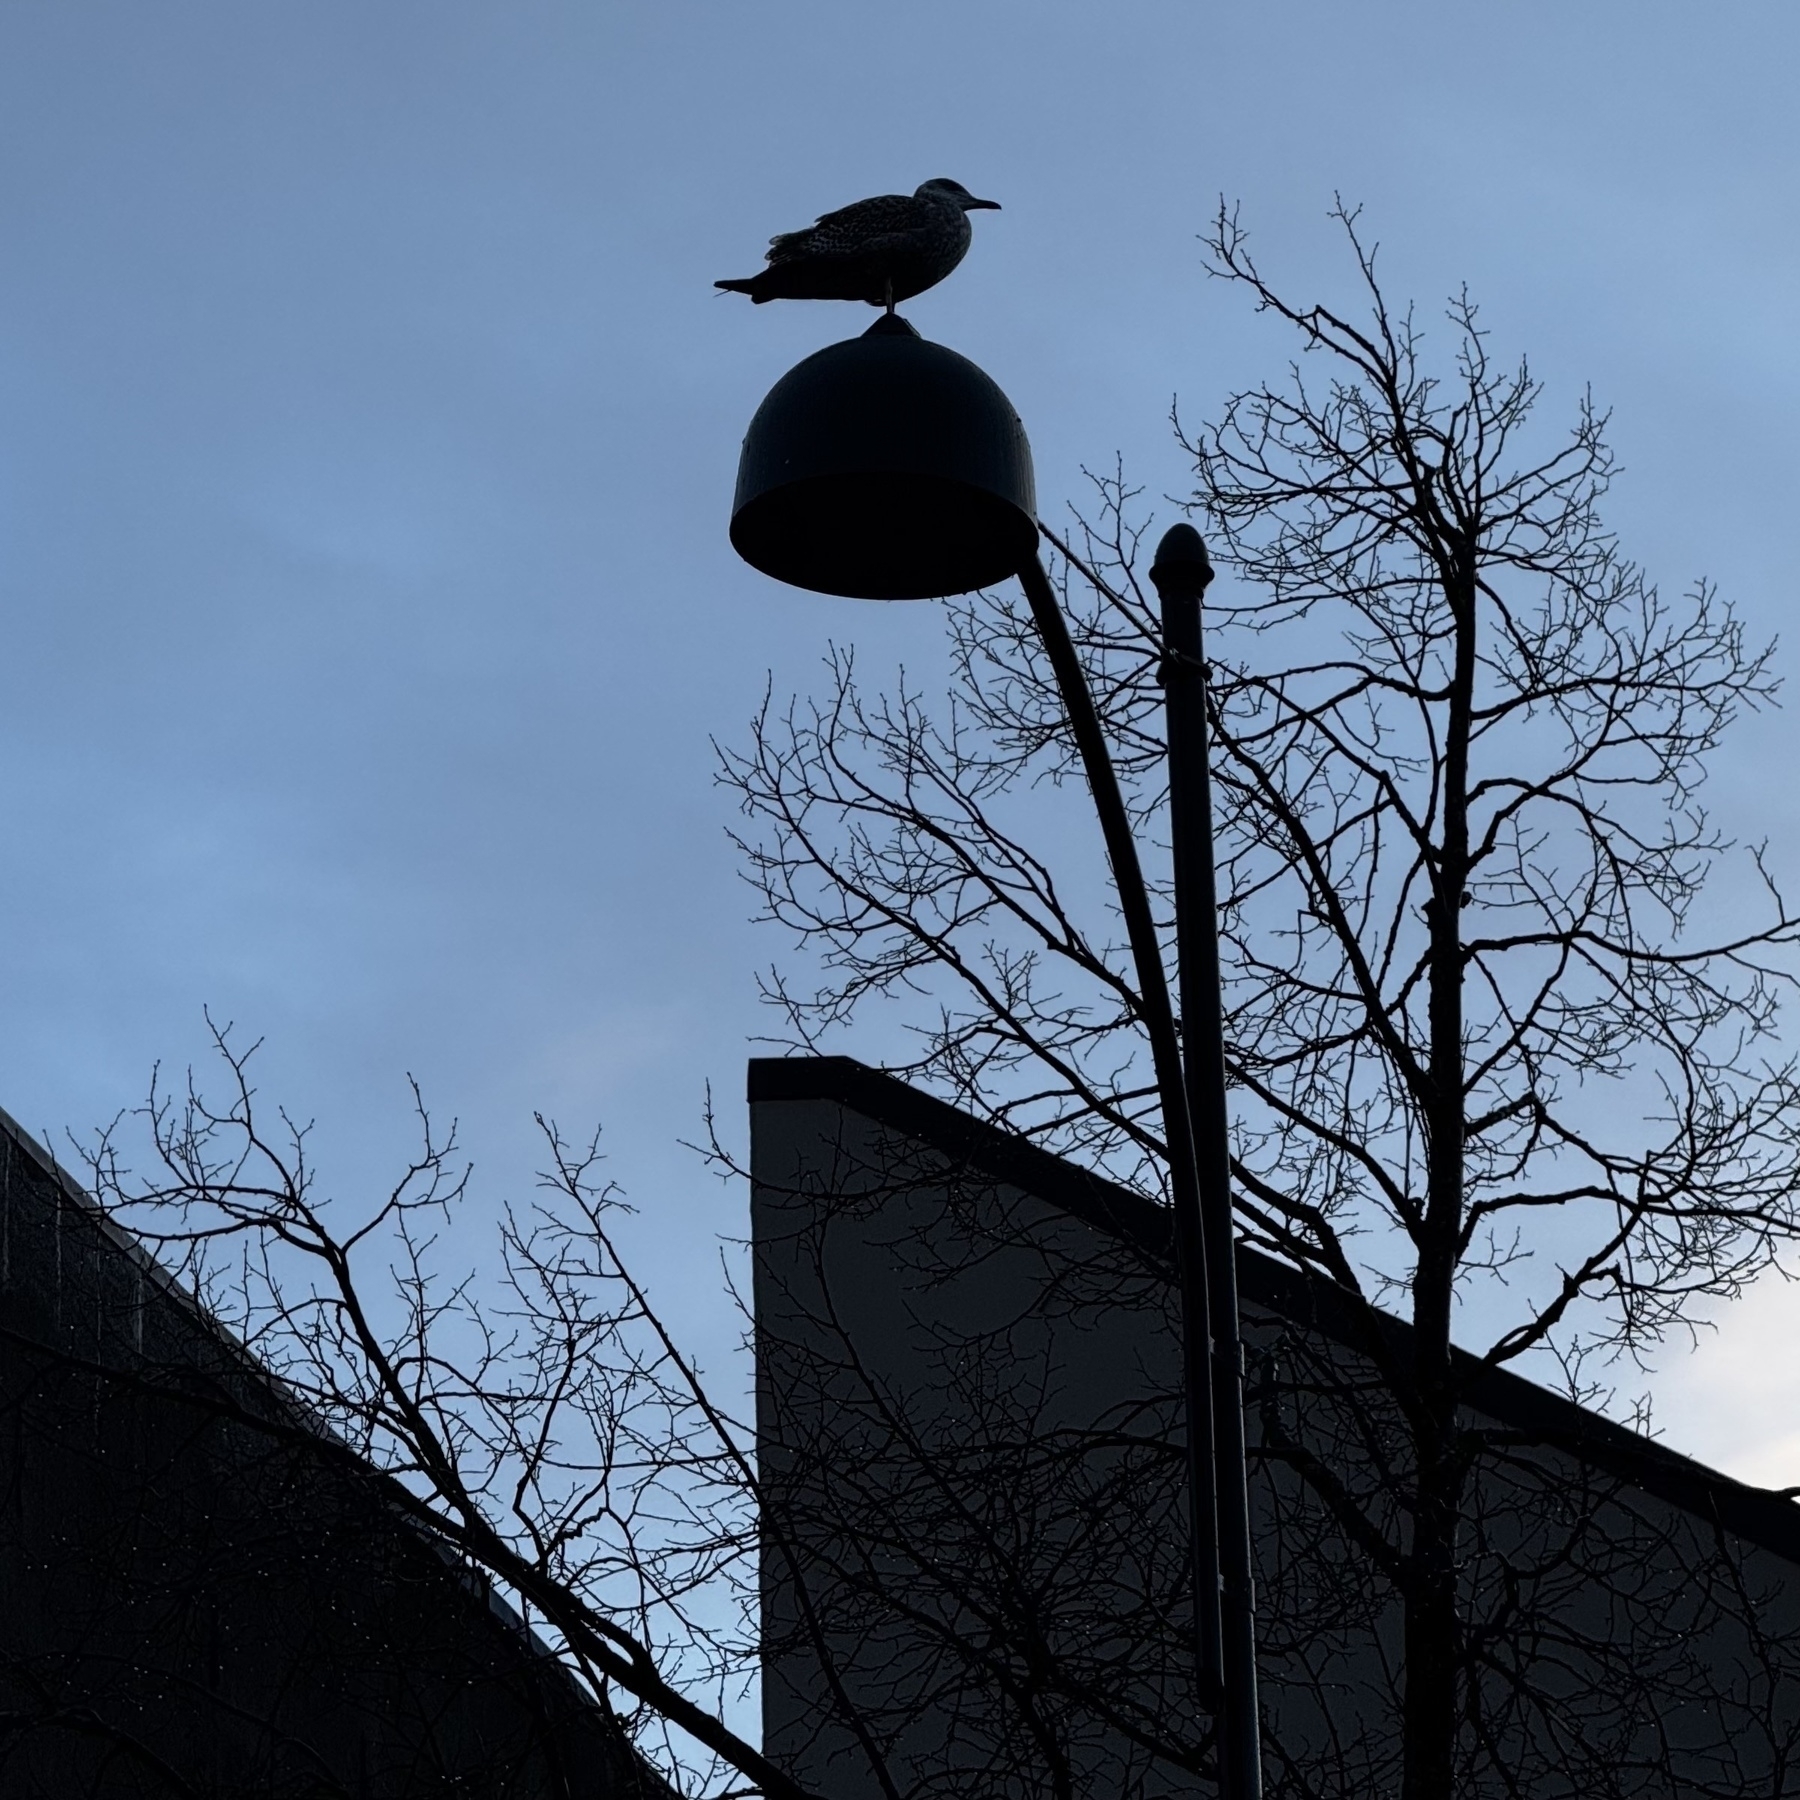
(879, 250)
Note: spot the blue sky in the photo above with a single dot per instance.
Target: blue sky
(367, 430)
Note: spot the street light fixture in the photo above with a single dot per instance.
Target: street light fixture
(886, 468)
(890, 468)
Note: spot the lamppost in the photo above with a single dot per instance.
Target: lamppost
(887, 467)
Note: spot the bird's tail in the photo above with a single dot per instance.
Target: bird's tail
(752, 286)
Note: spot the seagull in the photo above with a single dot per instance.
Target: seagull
(879, 251)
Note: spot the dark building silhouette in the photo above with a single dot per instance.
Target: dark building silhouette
(973, 1553)
(203, 1595)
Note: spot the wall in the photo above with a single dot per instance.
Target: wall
(973, 1568)
(203, 1594)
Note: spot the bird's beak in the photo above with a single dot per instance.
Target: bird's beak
(988, 205)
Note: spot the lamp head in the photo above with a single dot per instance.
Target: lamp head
(886, 468)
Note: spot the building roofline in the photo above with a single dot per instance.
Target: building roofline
(1760, 1515)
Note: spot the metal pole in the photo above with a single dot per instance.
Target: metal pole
(1173, 1091)
(1181, 572)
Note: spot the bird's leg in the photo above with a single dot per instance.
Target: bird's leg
(888, 286)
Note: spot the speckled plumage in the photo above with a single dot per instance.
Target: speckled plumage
(878, 251)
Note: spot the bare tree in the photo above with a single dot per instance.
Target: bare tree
(209, 1588)
(529, 1412)
(1487, 1065)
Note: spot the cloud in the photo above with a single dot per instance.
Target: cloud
(1734, 1400)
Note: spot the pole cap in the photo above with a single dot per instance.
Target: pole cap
(1182, 566)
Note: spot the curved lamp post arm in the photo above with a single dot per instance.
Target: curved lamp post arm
(1172, 1089)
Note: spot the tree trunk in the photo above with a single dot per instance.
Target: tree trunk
(1432, 1638)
